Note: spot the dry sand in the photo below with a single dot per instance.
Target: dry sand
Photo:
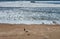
(22, 31)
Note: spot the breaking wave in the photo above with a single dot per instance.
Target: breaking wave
(30, 15)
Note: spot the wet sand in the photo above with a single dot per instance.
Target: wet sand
(22, 31)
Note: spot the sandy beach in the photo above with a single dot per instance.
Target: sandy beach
(22, 31)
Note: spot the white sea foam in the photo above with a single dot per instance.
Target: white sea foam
(30, 16)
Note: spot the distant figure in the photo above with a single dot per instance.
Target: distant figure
(32, 1)
(24, 29)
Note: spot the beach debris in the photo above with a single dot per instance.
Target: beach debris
(25, 30)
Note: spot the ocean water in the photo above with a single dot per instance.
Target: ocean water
(30, 15)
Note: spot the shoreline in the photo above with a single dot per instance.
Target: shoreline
(30, 24)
